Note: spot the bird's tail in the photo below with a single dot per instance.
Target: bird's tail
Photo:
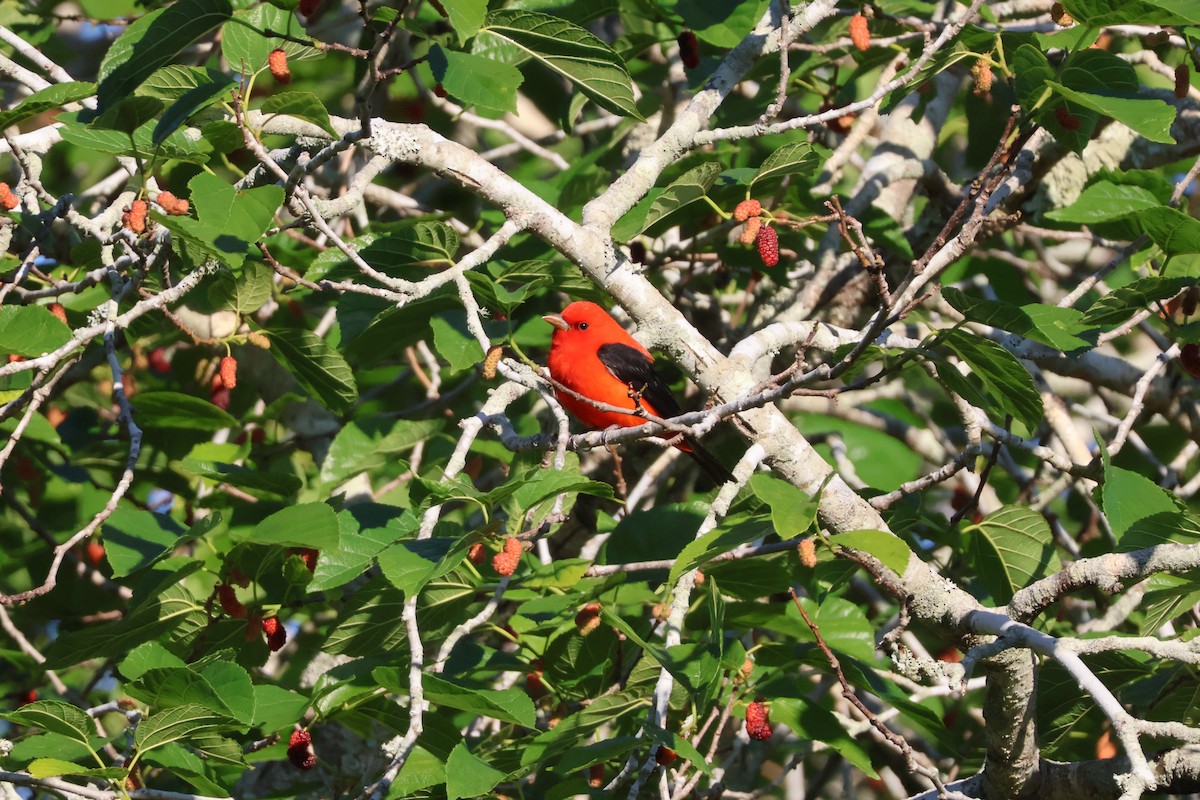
(707, 461)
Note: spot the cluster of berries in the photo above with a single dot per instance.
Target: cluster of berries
(756, 231)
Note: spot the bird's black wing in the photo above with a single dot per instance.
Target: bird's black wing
(631, 367)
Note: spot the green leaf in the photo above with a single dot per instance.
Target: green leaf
(312, 525)
(154, 41)
(467, 775)
(1171, 229)
(1124, 301)
(466, 16)
(812, 722)
(179, 724)
(475, 80)
(506, 705)
(693, 185)
(1141, 513)
(410, 565)
(255, 480)
(55, 96)
(1060, 328)
(134, 539)
(53, 767)
(888, 548)
(1008, 385)
(420, 244)
(54, 716)
(192, 101)
(570, 51)
(1105, 201)
(720, 22)
(422, 769)
(301, 105)
(175, 411)
(608, 749)
(843, 625)
(229, 221)
(455, 343)
(1149, 116)
(1032, 70)
(173, 612)
(367, 444)
(792, 511)
(733, 532)
(246, 46)
(176, 80)
(139, 145)
(319, 368)
(1103, 13)
(1012, 548)
(31, 331)
(794, 158)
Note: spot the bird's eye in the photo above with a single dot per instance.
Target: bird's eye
(583, 326)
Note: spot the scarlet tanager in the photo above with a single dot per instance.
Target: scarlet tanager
(591, 354)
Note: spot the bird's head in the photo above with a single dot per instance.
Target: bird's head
(585, 322)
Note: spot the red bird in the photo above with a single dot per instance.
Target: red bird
(590, 353)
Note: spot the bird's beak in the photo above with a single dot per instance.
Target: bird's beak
(557, 321)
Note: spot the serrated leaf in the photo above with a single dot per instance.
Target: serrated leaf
(319, 368)
(1105, 201)
(1171, 229)
(467, 775)
(54, 716)
(254, 480)
(794, 158)
(31, 331)
(367, 444)
(424, 244)
(1032, 70)
(465, 16)
(888, 548)
(139, 145)
(1012, 548)
(134, 539)
(1060, 328)
(192, 101)
(792, 511)
(475, 80)
(48, 99)
(1123, 302)
(179, 724)
(1103, 13)
(246, 46)
(308, 525)
(812, 722)
(732, 533)
(570, 51)
(683, 191)
(1008, 385)
(410, 565)
(154, 41)
(301, 105)
(506, 705)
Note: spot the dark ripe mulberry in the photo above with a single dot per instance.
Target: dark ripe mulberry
(689, 50)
